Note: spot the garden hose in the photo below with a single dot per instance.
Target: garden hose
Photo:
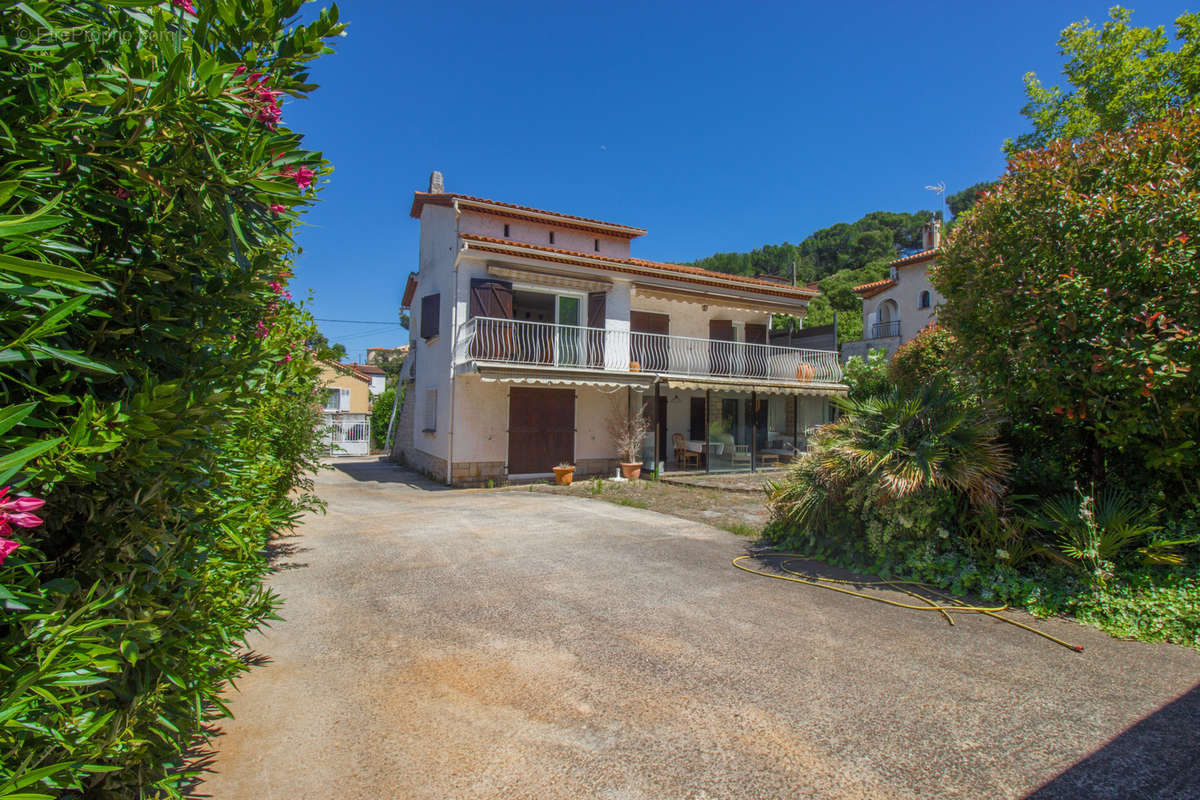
(958, 607)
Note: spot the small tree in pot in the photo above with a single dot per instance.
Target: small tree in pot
(628, 430)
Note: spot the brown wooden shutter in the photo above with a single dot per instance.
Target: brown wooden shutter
(596, 319)
(650, 352)
(720, 329)
(720, 356)
(431, 309)
(756, 334)
(491, 298)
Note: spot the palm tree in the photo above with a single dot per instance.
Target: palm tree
(908, 442)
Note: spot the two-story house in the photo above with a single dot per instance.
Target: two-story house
(901, 305)
(530, 326)
(345, 409)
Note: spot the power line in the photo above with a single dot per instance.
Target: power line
(356, 321)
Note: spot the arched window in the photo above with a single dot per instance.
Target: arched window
(923, 301)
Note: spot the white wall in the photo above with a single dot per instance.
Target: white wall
(911, 281)
(539, 234)
(439, 245)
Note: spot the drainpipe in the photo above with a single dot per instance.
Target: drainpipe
(453, 341)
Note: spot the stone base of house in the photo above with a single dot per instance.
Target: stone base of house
(477, 473)
(425, 463)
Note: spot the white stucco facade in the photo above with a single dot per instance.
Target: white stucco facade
(548, 265)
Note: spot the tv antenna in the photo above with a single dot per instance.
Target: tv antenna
(940, 189)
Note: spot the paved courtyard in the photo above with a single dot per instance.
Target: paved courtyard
(463, 644)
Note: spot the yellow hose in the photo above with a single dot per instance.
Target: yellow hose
(959, 606)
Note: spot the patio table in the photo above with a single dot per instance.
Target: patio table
(697, 446)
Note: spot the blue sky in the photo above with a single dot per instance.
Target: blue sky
(717, 127)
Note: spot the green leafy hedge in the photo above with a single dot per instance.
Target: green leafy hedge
(1073, 290)
(155, 387)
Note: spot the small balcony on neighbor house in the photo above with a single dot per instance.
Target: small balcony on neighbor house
(885, 329)
(572, 347)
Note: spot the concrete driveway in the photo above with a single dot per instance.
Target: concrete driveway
(450, 644)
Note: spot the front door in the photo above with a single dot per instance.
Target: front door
(541, 429)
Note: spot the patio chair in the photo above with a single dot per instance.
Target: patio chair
(682, 454)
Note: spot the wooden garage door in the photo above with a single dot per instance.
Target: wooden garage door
(541, 429)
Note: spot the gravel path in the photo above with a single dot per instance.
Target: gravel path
(459, 644)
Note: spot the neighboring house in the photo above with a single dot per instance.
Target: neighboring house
(530, 326)
(382, 355)
(900, 306)
(376, 376)
(346, 406)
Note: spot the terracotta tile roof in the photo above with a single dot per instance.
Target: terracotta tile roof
(638, 265)
(410, 290)
(368, 369)
(915, 257)
(348, 370)
(875, 287)
(522, 212)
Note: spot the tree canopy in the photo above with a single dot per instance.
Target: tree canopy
(880, 235)
(1118, 75)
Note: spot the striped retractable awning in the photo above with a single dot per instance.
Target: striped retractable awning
(734, 385)
(554, 377)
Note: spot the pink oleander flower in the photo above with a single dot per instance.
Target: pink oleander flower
(16, 511)
(121, 193)
(261, 330)
(277, 209)
(186, 5)
(241, 70)
(303, 176)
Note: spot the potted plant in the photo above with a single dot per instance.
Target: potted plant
(628, 430)
(564, 473)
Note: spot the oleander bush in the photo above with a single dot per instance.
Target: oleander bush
(155, 389)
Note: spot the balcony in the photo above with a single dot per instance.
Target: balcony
(542, 344)
(884, 330)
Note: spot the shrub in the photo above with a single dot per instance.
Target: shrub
(1074, 292)
(928, 356)
(381, 417)
(898, 465)
(154, 387)
(868, 376)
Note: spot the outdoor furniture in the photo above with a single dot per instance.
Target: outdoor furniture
(684, 454)
(768, 458)
(741, 454)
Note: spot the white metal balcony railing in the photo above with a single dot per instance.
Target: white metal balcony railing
(882, 330)
(547, 344)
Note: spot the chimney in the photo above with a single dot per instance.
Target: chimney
(435, 183)
(931, 234)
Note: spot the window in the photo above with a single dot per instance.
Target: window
(923, 300)
(431, 305)
(893, 273)
(431, 410)
(596, 243)
(337, 400)
(506, 230)
(551, 237)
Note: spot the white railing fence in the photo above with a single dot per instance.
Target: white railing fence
(543, 343)
(347, 436)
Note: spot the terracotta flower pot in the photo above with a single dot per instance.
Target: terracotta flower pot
(564, 475)
(805, 371)
(635, 366)
(631, 471)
